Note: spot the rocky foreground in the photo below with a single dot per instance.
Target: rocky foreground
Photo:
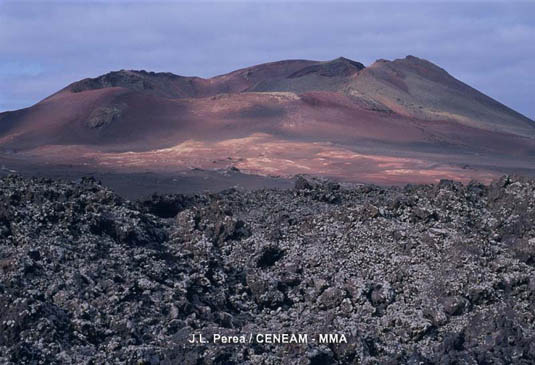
(415, 275)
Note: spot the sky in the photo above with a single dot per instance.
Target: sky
(46, 45)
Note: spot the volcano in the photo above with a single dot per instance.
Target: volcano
(393, 122)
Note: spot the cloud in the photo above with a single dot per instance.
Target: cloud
(48, 45)
(19, 68)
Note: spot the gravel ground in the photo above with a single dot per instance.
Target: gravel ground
(421, 274)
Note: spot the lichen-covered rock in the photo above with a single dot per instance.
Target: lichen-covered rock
(420, 274)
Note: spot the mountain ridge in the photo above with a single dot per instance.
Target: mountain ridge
(338, 112)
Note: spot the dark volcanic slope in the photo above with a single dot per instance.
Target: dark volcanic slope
(338, 113)
(416, 87)
(423, 274)
(173, 86)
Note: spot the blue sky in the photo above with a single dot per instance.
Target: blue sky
(45, 45)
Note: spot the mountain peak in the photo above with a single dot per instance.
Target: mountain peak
(158, 83)
(413, 58)
(122, 78)
(340, 67)
(344, 59)
(413, 61)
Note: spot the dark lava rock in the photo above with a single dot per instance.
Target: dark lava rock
(269, 256)
(419, 274)
(455, 305)
(302, 184)
(331, 298)
(166, 206)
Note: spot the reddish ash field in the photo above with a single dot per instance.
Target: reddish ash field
(401, 121)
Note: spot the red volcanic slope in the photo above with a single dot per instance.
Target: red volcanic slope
(407, 107)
